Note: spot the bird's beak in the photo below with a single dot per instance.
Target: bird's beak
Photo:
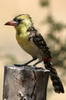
(11, 23)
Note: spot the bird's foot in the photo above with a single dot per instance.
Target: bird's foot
(19, 65)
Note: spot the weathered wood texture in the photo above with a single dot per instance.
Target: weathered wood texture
(25, 83)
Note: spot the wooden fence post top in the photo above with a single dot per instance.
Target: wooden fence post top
(28, 67)
(25, 83)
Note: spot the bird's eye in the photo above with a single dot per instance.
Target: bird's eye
(19, 20)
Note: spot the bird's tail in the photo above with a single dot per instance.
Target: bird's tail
(58, 86)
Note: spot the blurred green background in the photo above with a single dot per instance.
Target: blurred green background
(49, 18)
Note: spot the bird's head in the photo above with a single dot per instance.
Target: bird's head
(21, 20)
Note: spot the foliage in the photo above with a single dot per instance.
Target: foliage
(57, 47)
(44, 3)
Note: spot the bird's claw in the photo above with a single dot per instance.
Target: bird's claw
(19, 65)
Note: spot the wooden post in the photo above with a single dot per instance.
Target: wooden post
(25, 83)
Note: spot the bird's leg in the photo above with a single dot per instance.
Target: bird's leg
(19, 65)
(37, 62)
(29, 61)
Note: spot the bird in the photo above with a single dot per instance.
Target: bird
(32, 42)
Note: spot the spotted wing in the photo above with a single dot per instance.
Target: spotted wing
(39, 41)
